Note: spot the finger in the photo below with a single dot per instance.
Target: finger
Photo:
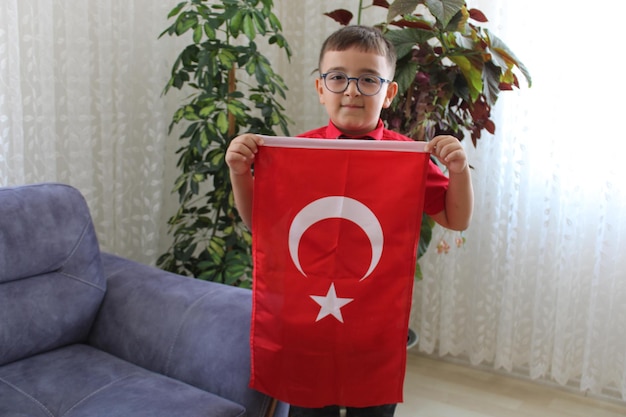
(446, 147)
(258, 140)
(438, 142)
(242, 149)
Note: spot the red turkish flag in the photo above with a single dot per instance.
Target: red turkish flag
(335, 230)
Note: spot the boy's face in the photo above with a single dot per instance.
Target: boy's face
(352, 112)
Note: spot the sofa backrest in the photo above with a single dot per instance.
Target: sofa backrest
(51, 279)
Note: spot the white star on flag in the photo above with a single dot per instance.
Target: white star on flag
(330, 304)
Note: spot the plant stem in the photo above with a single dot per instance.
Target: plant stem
(358, 20)
(232, 86)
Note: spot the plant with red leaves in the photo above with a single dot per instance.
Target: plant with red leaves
(450, 70)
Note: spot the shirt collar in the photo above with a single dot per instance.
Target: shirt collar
(377, 134)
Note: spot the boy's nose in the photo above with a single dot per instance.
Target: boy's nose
(352, 89)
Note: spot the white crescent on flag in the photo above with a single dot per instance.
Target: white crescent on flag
(337, 207)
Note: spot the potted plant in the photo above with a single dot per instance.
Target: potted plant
(231, 87)
(450, 72)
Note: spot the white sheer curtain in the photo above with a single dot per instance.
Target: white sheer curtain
(539, 288)
(540, 285)
(80, 103)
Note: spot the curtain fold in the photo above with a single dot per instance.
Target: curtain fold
(80, 103)
(540, 286)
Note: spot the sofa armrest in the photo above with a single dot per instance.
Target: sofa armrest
(194, 331)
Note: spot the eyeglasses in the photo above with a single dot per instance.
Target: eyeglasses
(367, 84)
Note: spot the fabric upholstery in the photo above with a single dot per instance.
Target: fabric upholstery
(170, 328)
(95, 383)
(87, 334)
(51, 280)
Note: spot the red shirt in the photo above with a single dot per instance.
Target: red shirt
(436, 181)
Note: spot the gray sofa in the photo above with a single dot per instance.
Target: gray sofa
(87, 334)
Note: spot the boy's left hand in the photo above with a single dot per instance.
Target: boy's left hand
(449, 151)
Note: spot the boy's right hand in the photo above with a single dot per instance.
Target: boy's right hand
(241, 151)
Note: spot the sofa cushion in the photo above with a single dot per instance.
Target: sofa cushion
(192, 330)
(45, 228)
(51, 280)
(80, 381)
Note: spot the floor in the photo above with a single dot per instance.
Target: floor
(434, 388)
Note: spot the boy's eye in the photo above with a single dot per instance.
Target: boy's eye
(337, 76)
(368, 79)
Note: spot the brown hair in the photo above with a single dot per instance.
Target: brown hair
(363, 38)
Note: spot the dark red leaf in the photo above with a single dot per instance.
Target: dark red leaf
(403, 23)
(381, 3)
(480, 111)
(342, 16)
(475, 135)
(478, 16)
(490, 126)
(505, 87)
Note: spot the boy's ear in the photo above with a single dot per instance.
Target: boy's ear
(319, 86)
(392, 90)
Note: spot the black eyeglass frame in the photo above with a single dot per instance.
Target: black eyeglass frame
(380, 87)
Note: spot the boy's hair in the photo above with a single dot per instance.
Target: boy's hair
(363, 38)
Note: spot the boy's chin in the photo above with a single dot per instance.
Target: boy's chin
(353, 129)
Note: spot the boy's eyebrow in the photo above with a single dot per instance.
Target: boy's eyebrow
(361, 71)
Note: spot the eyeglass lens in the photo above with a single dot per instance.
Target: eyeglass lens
(337, 82)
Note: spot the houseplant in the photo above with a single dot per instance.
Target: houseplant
(231, 87)
(449, 71)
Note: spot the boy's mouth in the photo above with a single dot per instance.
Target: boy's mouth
(352, 106)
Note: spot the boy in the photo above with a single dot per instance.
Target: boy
(356, 67)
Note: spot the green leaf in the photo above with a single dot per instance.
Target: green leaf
(418, 272)
(251, 67)
(210, 32)
(491, 82)
(216, 245)
(188, 252)
(444, 10)
(405, 76)
(206, 111)
(194, 188)
(185, 22)
(236, 23)
(404, 40)
(178, 115)
(248, 27)
(234, 272)
(500, 49)
(197, 34)
(236, 108)
(227, 58)
(426, 234)
(204, 139)
(190, 131)
(222, 123)
(207, 275)
(402, 7)
(190, 113)
(176, 9)
(216, 157)
(259, 23)
(276, 25)
(472, 74)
